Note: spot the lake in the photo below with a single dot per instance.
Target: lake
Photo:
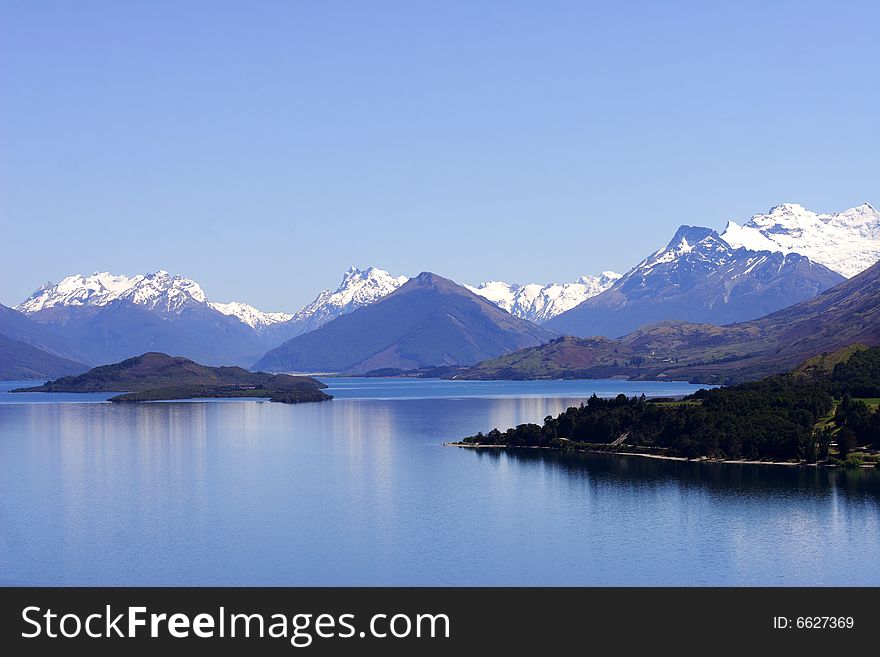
(361, 491)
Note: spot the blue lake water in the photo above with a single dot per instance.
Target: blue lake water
(360, 491)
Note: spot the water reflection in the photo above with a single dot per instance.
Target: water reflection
(770, 482)
(360, 492)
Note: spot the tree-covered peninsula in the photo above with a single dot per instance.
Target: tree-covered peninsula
(825, 411)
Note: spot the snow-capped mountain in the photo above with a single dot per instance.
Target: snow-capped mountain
(106, 318)
(164, 293)
(463, 328)
(160, 291)
(359, 287)
(96, 290)
(256, 319)
(698, 277)
(363, 287)
(847, 242)
(157, 291)
(169, 294)
(538, 303)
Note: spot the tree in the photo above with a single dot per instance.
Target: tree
(858, 418)
(811, 448)
(824, 443)
(874, 429)
(846, 442)
(843, 408)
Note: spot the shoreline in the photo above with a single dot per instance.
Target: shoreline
(661, 457)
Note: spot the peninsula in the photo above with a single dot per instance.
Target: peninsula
(825, 411)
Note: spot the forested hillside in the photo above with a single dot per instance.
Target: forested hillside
(825, 411)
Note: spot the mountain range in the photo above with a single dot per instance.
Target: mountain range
(697, 277)
(700, 277)
(106, 318)
(55, 302)
(538, 303)
(358, 288)
(847, 242)
(847, 314)
(428, 321)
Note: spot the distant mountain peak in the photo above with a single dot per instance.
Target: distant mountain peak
(428, 321)
(164, 292)
(98, 289)
(693, 242)
(698, 277)
(428, 279)
(256, 319)
(606, 277)
(686, 237)
(159, 291)
(357, 274)
(359, 288)
(539, 303)
(863, 211)
(787, 208)
(846, 242)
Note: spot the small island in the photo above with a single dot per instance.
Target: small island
(824, 412)
(159, 377)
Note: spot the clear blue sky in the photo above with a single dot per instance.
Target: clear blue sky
(264, 147)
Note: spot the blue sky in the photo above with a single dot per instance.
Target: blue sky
(264, 147)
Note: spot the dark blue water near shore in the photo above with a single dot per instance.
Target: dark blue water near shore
(360, 491)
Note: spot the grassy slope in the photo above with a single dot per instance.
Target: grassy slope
(566, 357)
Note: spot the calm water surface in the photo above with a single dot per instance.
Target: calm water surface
(360, 491)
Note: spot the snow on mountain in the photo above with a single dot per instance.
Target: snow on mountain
(358, 288)
(164, 293)
(96, 290)
(428, 321)
(159, 291)
(538, 303)
(698, 277)
(169, 294)
(256, 319)
(847, 242)
(702, 246)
